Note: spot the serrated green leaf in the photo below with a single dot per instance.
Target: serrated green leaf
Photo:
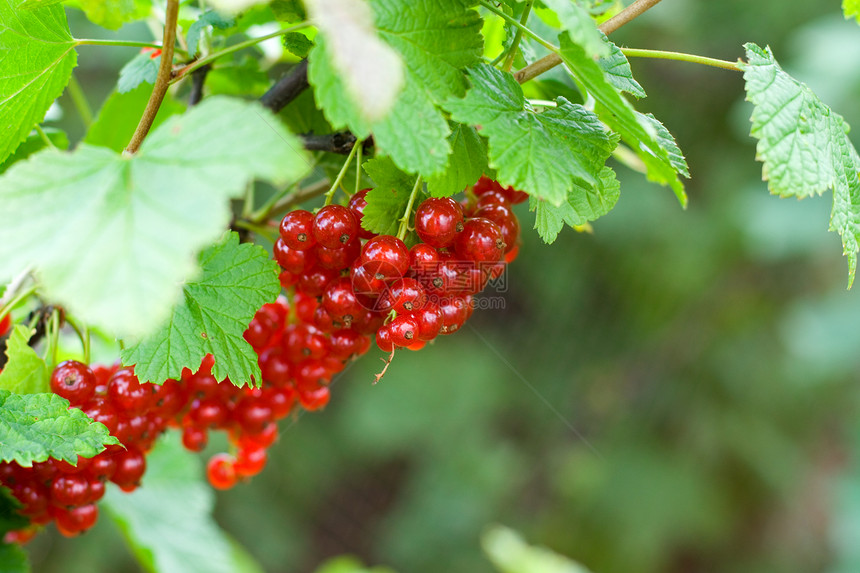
(436, 40)
(214, 313)
(851, 9)
(138, 223)
(544, 154)
(298, 44)
(804, 145)
(38, 58)
(618, 72)
(288, 10)
(577, 22)
(34, 143)
(667, 142)
(10, 519)
(13, 559)
(370, 71)
(617, 113)
(168, 522)
(35, 427)
(209, 18)
(112, 14)
(120, 113)
(142, 68)
(387, 201)
(466, 164)
(25, 371)
(509, 553)
(583, 204)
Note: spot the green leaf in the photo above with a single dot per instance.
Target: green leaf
(120, 113)
(112, 14)
(667, 142)
(209, 18)
(168, 522)
(25, 371)
(38, 58)
(214, 313)
(35, 427)
(851, 9)
(577, 22)
(804, 145)
(138, 223)
(436, 40)
(34, 143)
(466, 164)
(510, 554)
(289, 11)
(545, 154)
(583, 204)
(618, 72)
(242, 77)
(10, 519)
(142, 68)
(617, 113)
(298, 44)
(13, 559)
(370, 72)
(348, 564)
(387, 201)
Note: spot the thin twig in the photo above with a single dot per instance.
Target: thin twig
(548, 62)
(162, 81)
(287, 88)
(198, 79)
(341, 142)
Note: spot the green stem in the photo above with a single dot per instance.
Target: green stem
(248, 203)
(185, 70)
(53, 339)
(162, 80)
(7, 308)
(298, 196)
(404, 221)
(330, 194)
(263, 230)
(128, 43)
(515, 23)
(681, 57)
(83, 335)
(512, 53)
(358, 144)
(44, 136)
(80, 101)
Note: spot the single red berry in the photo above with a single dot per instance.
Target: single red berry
(334, 226)
(221, 471)
(102, 466)
(130, 467)
(274, 366)
(438, 220)
(297, 230)
(405, 295)
(263, 439)
(505, 219)
(404, 330)
(314, 399)
(251, 460)
(128, 395)
(315, 280)
(194, 439)
(253, 414)
(341, 257)
(480, 241)
(385, 257)
(73, 381)
(383, 339)
(70, 490)
(340, 302)
(293, 260)
(5, 324)
(429, 321)
(455, 312)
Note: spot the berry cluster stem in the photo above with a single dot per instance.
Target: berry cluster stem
(521, 29)
(512, 52)
(330, 194)
(162, 81)
(681, 57)
(404, 221)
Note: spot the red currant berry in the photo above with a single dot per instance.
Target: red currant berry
(334, 226)
(128, 395)
(480, 241)
(429, 321)
(505, 219)
(297, 230)
(404, 330)
(75, 521)
(340, 258)
(383, 339)
(385, 257)
(73, 381)
(339, 300)
(194, 439)
(406, 295)
(438, 220)
(314, 399)
(70, 490)
(221, 471)
(130, 467)
(356, 204)
(293, 260)
(251, 460)
(315, 280)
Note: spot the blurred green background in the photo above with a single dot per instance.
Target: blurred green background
(676, 392)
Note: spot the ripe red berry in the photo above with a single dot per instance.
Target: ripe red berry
(297, 230)
(221, 471)
(383, 339)
(438, 220)
(385, 257)
(70, 490)
(505, 219)
(314, 399)
(251, 460)
(480, 241)
(405, 295)
(293, 260)
(429, 321)
(128, 395)
(73, 381)
(194, 439)
(130, 467)
(334, 226)
(75, 521)
(356, 204)
(404, 330)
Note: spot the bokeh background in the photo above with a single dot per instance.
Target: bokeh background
(676, 392)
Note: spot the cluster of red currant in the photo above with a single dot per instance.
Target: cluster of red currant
(348, 285)
(405, 297)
